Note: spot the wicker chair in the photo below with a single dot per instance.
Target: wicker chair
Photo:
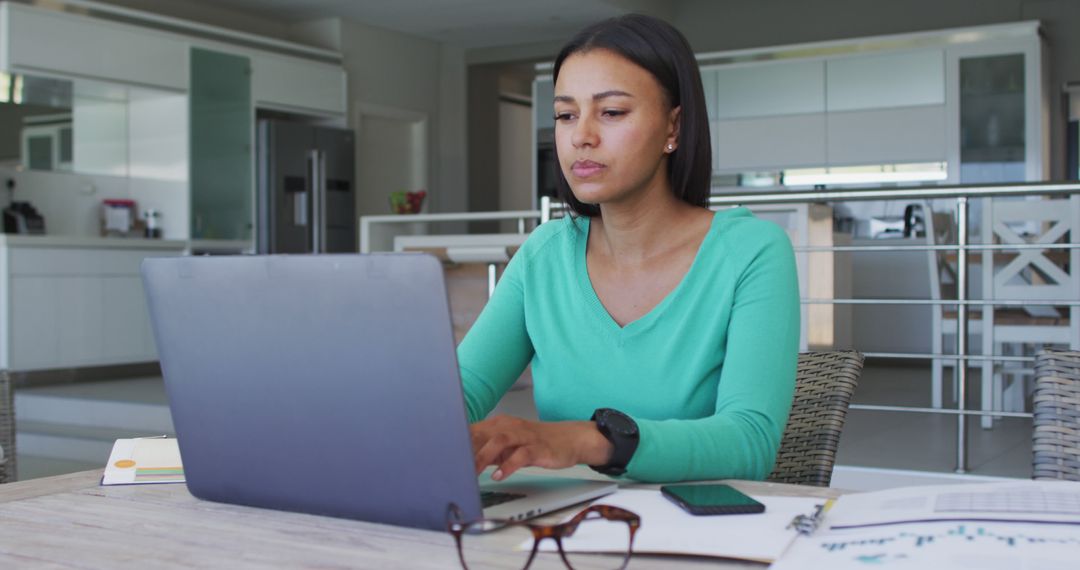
(824, 385)
(7, 429)
(1056, 442)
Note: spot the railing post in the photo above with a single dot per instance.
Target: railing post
(545, 208)
(961, 331)
(493, 273)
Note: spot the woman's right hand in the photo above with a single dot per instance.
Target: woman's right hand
(510, 443)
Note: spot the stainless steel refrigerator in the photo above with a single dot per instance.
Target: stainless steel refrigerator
(306, 194)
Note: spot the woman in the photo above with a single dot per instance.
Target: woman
(663, 337)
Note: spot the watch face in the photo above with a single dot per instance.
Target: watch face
(619, 423)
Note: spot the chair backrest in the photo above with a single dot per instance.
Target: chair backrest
(1056, 437)
(824, 385)
(1031, 274)
(940, 230)
(7, 429)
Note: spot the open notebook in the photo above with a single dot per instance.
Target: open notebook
(667, 529)
(144, 460)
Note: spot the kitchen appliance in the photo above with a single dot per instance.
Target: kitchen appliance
(22, 218)
(914, 223)
(117, 217)
(153, 223)
(306, 198)
(883, 227)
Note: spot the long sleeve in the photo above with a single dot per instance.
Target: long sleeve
(755, 387)
(497, 348)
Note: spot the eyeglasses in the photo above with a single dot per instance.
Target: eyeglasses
(618, 525)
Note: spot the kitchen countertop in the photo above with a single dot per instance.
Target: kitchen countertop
(21, 240)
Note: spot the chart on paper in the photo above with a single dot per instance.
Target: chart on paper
(922, 546)
(1034, 501)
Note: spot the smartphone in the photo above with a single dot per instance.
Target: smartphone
(711, 499)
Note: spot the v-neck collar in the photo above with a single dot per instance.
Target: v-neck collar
(643, 322)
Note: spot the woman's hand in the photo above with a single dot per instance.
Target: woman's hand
(511, 443)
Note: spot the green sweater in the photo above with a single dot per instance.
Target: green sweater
(707, 374)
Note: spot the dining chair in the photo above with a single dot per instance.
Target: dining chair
(941, 230)
(824, 385)
(1026, 274)
(1056, 401)
(7, 429)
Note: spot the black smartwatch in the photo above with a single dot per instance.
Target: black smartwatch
(622, 431)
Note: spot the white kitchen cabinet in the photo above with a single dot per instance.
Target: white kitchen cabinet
(294, 84)
(886, 80)
(769, 89)
(75, 301)
(39, 40)
(769, 142)
(877, 136)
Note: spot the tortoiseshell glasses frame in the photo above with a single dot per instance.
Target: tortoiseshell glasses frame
(557, 532)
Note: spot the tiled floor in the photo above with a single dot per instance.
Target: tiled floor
(922, 441)
(889, 440)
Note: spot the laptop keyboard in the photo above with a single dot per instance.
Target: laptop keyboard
(492, 498)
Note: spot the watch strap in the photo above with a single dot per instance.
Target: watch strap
(621, 430)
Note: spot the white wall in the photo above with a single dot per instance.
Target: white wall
(515, 159)
(71, 203)
(392, 70)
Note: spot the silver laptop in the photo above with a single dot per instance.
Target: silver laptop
(329, 385)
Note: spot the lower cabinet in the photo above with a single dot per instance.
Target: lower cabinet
(76, 306)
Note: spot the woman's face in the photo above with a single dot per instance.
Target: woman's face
(613, 125)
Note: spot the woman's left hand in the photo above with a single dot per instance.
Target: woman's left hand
(510, 443)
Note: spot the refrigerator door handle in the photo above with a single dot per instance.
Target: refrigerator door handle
(300, 208)
(323, 198)
(316, 185)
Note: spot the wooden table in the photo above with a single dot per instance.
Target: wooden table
(70, 521)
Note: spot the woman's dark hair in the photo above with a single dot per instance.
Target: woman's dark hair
(657, 47)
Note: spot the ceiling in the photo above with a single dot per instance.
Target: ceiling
(468, 23)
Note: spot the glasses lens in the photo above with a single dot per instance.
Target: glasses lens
(598, 530)
(497, 548)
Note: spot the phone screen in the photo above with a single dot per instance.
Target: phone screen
(712, 499)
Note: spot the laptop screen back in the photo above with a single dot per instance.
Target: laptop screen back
(322, 384)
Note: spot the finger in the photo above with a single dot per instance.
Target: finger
(497, 445)
(481, 431)
(520, 457)
(478, 436)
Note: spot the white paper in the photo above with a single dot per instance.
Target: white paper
(667, 529)
(933, 545)
(1017, 501)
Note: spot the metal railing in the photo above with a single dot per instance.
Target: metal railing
(962, 247)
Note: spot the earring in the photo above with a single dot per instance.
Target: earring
(670, 147)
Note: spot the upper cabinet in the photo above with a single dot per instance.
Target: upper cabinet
(39, 40)
(881, 81)
(768, 89)
(766, 115)
(962, 105)
(133, 55)
(222, 159)
(293, 84)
